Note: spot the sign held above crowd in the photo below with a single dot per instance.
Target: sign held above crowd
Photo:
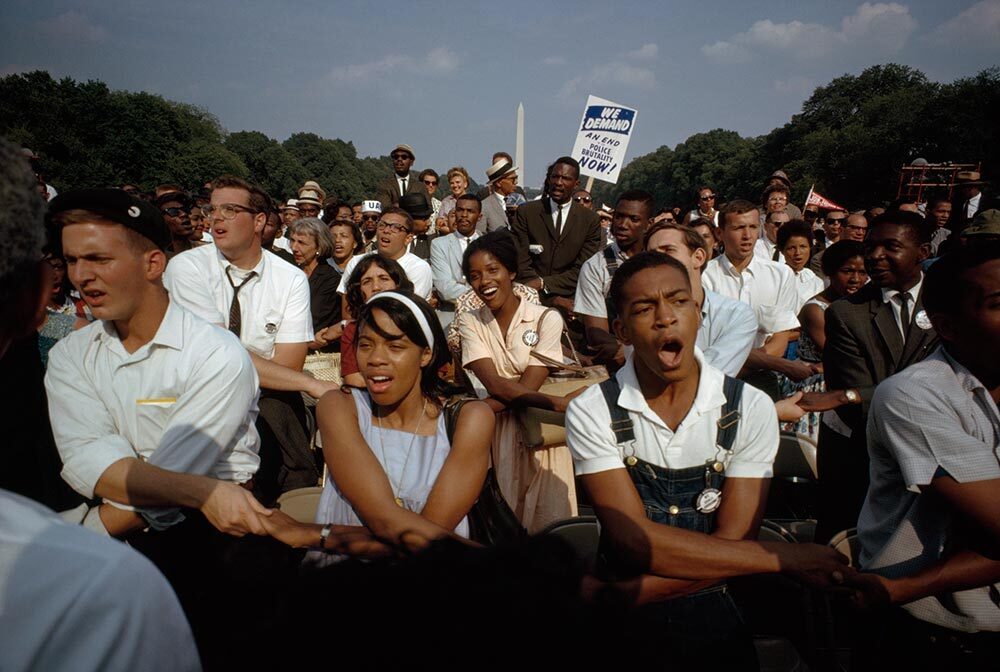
(602, 138)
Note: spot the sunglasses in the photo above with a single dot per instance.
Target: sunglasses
(583, 199)
(707, 198)
(370, 218)
(396, 157)
(174, 212)
(430, 183)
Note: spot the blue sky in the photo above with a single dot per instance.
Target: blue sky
(446, 77)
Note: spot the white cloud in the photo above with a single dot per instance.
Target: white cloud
(890, 23)
(979, 25)
(438, 61)
(75, 26)
(554, 60)
(646, 52)
(614, 73)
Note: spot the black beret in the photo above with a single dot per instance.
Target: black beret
(117, 206)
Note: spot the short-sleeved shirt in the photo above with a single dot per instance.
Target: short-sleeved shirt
(727, 332)
(274, 304)
(511, 352)
(933, 414)
(766, 286)
(417, 271)
(595, 283)
(186, 401)
(594, 448)
(807, 285)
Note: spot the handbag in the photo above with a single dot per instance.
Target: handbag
(541, 427)
(491, 520)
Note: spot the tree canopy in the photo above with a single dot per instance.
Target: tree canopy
(849, 139)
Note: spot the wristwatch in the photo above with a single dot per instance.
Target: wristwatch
(852, 396)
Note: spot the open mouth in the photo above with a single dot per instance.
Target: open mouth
(670, 353)
(93, 297)
(489, 292)
(378, 384)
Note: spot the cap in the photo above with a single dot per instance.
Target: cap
(416, 206)
(117, 206)
(371, 206)
(179, 196)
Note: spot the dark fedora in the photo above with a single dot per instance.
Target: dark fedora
(416, 206)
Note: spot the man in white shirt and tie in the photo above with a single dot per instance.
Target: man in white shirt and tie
(447, 253)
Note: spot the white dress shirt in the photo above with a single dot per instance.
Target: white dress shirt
(972, 205)
(554, 209)
(764, 249)
(766, 286)
(274, 305)
(594, 283)
(892, 297)
(417, 271)
(594, 448)
(186, 401)
(807, 285)
(727, 332)
(74, 600)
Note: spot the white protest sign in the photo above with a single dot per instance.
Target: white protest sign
(603, 138)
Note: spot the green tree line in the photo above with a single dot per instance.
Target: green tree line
(849, 139)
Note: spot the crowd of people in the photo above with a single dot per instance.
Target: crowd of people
(499, 367)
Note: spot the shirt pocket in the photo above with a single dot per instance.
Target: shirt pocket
(151, 418)
(264, 330)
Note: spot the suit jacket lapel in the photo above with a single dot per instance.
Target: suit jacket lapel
(885, 325)
(916, 338)
(547, 218)
(566, 222)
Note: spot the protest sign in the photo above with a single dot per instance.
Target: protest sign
(603, 137)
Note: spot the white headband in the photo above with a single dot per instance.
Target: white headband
(413, 308)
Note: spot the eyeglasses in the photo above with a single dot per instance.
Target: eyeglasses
(395, 228)
(57, 264)
(226, 210)
(583, 199)
(431, 183)
(369, 218)
(398, 156)
(838, 222)
(173, 212)
(710, 197)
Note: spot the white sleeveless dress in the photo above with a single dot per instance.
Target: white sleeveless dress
(414, 477)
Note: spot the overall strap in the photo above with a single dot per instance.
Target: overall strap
(611, 260)
(729, 422)
(621, 424)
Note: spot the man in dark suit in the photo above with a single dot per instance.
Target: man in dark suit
(869, 336)
(420, 210)
(403, 180)
(555, 236)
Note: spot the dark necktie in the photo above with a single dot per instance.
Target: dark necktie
(402, 187)
(559, 221)
(774, 257)
(235, 320)
(904, 312)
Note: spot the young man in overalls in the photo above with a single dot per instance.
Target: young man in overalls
(677, 459)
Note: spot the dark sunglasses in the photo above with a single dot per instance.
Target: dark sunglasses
(707, 198)
(370, 218)
(431, 183)
(174, 212)
(396, 156)
(583, 199)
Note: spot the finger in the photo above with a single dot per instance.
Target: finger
(258, 507)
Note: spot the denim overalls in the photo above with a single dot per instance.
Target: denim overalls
(709, 616)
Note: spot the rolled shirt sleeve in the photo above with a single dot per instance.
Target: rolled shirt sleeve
(590, 296)
(589, 436)
(756, 438)
(296, 320)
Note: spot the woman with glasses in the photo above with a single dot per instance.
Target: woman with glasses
(705, 207)
(429, 178)
(174, 207)
(458, 183)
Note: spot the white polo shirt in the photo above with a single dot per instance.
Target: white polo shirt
(766, 286)
(274, 305)
(590, 439)
(186, 401)
(594, 283)
(417, 270)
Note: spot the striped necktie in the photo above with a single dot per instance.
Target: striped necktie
(235, 319)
